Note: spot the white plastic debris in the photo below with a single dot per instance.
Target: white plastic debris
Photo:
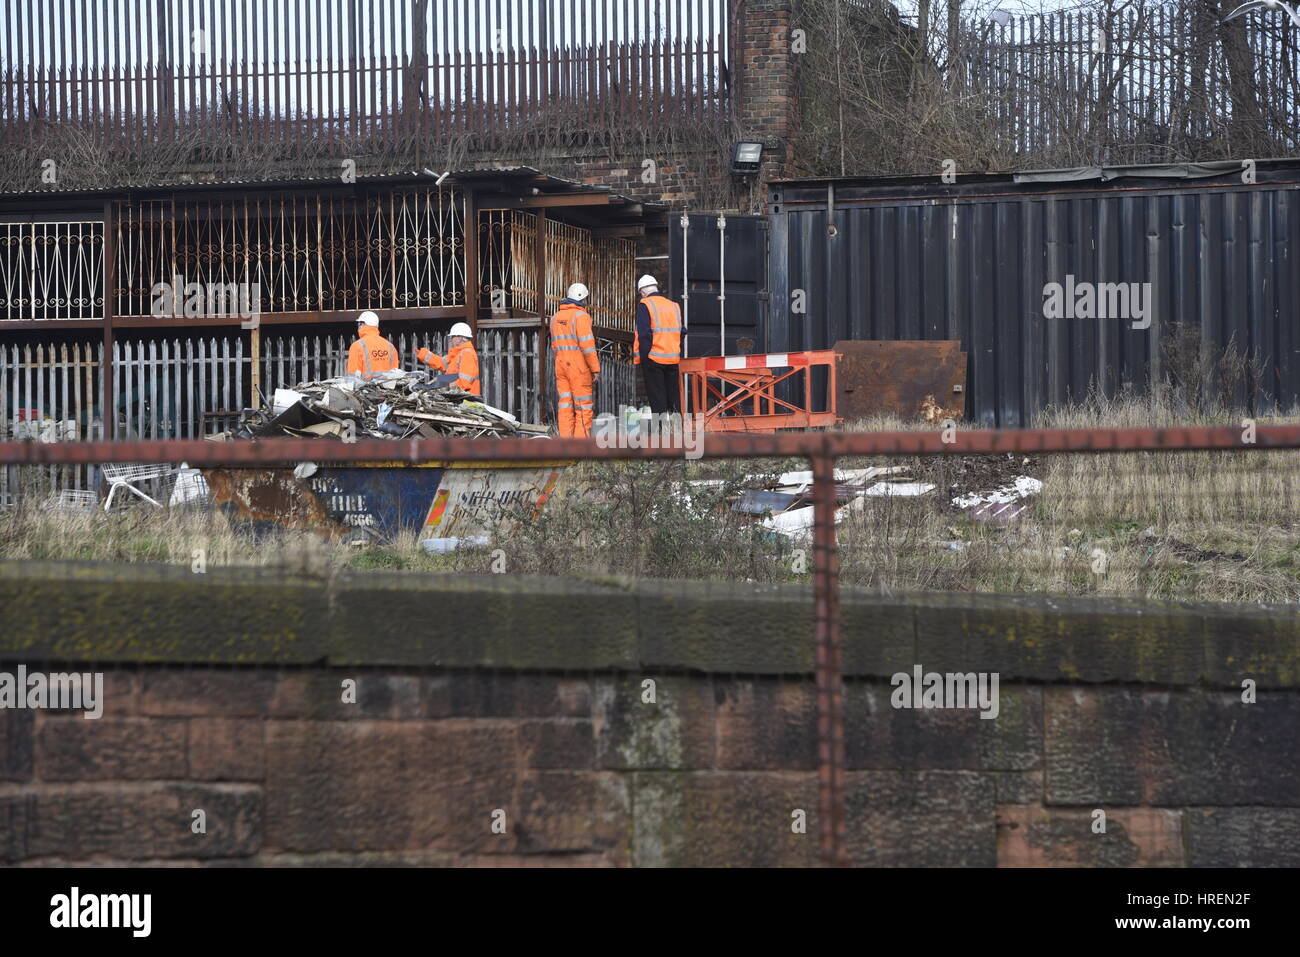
(794, 478)
(796, 522)
(190, 486)
(1022, 487)
(802, 479)
(445, 546)
(899, 489)
(502, 413)
(284, 399)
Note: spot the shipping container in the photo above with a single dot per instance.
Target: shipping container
(1135, 251)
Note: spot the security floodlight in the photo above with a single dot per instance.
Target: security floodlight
(746, 157)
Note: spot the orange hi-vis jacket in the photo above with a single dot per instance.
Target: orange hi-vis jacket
(665, 332)
(371, 353)
(461, 361)
(572, 339)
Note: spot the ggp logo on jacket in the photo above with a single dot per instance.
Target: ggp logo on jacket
(371, 353)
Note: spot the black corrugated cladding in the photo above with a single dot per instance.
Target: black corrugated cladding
(915, 258)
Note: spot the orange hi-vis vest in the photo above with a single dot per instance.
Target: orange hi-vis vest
(571, 337)
(371, 353)
(665, 332)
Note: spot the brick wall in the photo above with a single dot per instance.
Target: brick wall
(766, 107)
(767, 102)
(539, 712)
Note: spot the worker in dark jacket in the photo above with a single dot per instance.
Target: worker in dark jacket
(657, 346)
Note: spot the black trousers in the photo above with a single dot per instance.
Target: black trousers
(661, 386)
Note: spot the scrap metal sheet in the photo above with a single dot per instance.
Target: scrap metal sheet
(910, 379)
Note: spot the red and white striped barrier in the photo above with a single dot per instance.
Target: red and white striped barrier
(775, 360)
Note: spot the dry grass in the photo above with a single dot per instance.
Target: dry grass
(144, 534)
(1194, 525)
(1185, 525)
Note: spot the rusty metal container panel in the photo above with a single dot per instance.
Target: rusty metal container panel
(902, 258)
(925, 380)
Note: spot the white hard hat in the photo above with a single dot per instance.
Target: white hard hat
(368, 318)
(646, 280)
(461, 329)
(578, 292)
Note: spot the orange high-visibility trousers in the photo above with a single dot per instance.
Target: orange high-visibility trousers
(577, 399)
(574, 348)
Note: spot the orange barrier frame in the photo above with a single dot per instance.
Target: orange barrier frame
(738, 393)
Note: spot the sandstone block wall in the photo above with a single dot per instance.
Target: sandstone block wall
(224, 694)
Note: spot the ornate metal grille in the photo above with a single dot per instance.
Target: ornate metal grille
(52, 270)
(307, 253)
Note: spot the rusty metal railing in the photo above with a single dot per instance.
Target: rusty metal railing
(606, 264)
(820, 449)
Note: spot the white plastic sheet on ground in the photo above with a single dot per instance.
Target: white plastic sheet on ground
(1022, 487)
(444, 546)
(899, 489)
(797, 522)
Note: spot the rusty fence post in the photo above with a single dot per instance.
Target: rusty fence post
(830, 681)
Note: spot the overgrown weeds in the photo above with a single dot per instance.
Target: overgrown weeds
(1174, 525)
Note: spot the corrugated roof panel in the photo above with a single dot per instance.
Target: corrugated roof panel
(549, 184)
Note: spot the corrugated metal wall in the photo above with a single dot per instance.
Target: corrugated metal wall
(937, 262)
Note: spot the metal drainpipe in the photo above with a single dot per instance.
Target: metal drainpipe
(722, 283)
(686, 283)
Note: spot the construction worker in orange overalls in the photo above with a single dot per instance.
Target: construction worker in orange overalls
(577, 370)
(461, 360)
(371, 353)
(657, 346)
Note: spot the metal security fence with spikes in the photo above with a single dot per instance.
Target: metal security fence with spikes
(137, 72)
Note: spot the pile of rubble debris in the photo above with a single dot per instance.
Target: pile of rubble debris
(390, 405)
